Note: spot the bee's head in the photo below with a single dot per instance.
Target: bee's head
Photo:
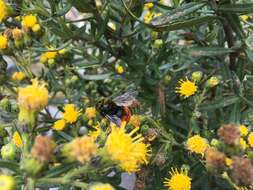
(101, 105)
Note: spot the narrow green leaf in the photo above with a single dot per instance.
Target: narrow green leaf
(220, 103)
(237, 8)
(209, 51)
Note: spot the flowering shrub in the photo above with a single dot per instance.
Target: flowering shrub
(69, 71)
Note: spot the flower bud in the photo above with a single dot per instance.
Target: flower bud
(31, 165)
(212, 82)
(8, 151)
(36, 28)
(158, 43)
(197, 76)
(215, 143)
(5, 103)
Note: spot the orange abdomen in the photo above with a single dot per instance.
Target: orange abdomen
(126, 115)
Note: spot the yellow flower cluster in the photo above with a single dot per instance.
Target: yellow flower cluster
(33, 97)
(70, 115)
(179, 180)
(150, 15)
(197, 144)
(127, 150)
(3, 10)
(90, 112)
(30, 22)
(50, 56)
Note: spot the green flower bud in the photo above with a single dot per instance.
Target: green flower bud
(197, 76)
(51, 62)
(158, 43)
(3, 132)
(31, 166)
(74, 79)
(212, 82)
(216, 143)
(8, 151)
(144, 129)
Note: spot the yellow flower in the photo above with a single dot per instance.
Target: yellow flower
(29, 21)
(50, 55)
(119, 69)
(18, 76)
(148, 5)
(70, 113)
(197, 144)
(82, 149)
(244, 130)
(186, 88)
(135, 120)
(149, 16)
(16, 139)
(101, 186)
(127, 150)
(243, 144)
(228, 161)
(3, 42)
(59, 125)
(179, 180)
(250, 139)
(3, 10)
(90, 112)
(33, 97)
(95, 133)
(7, 182)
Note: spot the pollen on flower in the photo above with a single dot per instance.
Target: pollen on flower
(3, 10)
(70, 113)
(186, 88)
(3, 42)
(197, 144)
(18, 76)
(16, 139)
(127, 150)
(33, 97)
(179, 180)
(59, 125)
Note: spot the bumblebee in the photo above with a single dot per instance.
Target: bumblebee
(117, 109)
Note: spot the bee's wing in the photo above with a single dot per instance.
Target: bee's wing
(114, 119)
(126, 99)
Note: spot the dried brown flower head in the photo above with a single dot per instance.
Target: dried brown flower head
(160, 159)
(242, 171)
(215, 160)
(43, 148)
(83, 148)
(229, 134)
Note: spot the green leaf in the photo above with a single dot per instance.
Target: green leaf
(177, 13)
(209, 51)
(13, 166)
(237, 8)
(96, 77)
(219, 103)
(184, 24)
